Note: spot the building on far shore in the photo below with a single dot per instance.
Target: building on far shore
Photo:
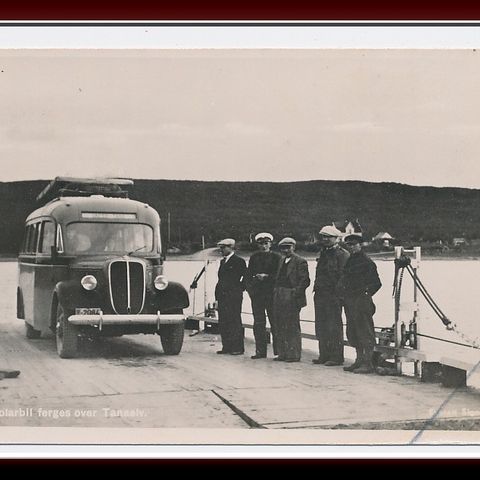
(384, 238)
(347, 227)
(459, 242)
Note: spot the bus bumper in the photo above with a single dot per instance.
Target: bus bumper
(99, 320)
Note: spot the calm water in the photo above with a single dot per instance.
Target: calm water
(452, 283)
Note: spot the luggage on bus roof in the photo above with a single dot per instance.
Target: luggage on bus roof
(71, 186)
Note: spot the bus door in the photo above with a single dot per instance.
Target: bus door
(44, 276)
(36, 278)
(26, 272)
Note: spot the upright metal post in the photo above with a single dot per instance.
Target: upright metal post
(396, 328)
(205, 291)
(193, 304)
(168, 228)
(418, 255)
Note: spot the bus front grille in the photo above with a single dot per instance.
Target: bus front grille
(127, 286)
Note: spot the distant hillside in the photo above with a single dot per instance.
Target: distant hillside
(237, 209)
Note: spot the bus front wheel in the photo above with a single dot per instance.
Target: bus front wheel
(66, 335)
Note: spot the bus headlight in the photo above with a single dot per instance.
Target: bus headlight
(160, 282)
(89, 282)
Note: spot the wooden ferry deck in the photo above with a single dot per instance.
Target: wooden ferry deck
(129, 382)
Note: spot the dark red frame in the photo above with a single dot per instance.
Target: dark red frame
(241, 11)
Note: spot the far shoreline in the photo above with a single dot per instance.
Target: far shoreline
(197, 256)
(313, 256)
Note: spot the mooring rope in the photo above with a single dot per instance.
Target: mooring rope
(403, 263)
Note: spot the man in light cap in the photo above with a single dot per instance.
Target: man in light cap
(291, 281)
(229, 295)
(260, 278)
(361, 282)
(328, 298)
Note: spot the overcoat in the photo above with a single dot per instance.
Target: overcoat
(297, 274)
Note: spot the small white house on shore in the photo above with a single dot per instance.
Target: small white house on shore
(459, 241)
(384, 238)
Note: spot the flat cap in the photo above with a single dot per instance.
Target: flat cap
(263, 236)
(353, 238)
(330, 231)
(287, 241)
(229, 242)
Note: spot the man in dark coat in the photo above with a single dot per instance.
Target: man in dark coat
(361, 282)
(229, 295)
(289, 298)
(328, 298)
(260, 278)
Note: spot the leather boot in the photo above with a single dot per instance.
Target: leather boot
(367, 363)
(358, 361)
(320, 360)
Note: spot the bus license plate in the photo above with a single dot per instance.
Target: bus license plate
(88, 311)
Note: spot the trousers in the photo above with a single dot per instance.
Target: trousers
(329, 327)
(287, 316)
(230, 322)
(359, 310)
(261, 304)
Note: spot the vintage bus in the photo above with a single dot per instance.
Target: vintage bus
(91, 264)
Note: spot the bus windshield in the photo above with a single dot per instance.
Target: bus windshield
(94, 238)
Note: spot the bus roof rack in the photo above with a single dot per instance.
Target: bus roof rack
(84, 187)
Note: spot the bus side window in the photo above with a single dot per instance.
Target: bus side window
(30, 239)
(36, 231)
(59, 239)
(40, 237)
(25, 239)
(47, 237)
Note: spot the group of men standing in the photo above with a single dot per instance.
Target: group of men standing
(276, 285)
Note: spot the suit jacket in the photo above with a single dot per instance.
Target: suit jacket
(262, 262)
(231, 277)
(297, 274)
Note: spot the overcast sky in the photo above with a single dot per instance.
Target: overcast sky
(410, 116)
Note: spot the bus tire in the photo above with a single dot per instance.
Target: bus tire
(171, 337)
(66, 335)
